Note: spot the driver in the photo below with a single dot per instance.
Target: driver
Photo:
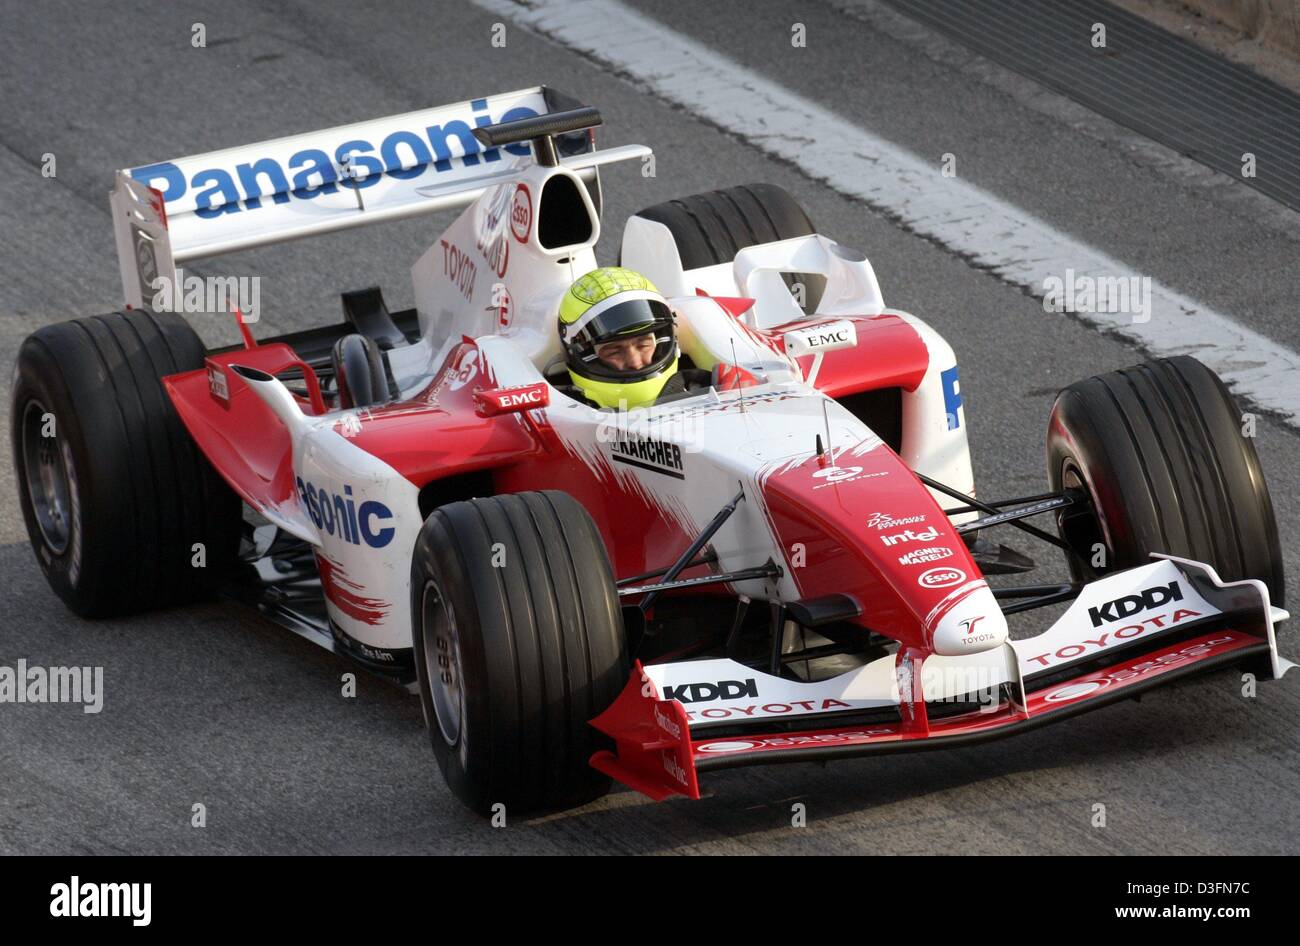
(619, 341)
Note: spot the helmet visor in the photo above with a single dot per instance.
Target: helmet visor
(622, 321)
(632, 317)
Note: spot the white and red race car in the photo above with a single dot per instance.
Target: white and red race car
(787, 565)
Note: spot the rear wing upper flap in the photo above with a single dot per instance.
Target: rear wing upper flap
(383, 169)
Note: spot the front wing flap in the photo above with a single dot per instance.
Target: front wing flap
(1125, 633)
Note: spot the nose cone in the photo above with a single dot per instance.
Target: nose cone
(972, 623)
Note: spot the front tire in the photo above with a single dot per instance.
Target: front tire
(1158, 449)
(518, 641)
(114, 492)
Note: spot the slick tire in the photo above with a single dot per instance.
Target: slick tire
(712, 227)
(114, 492)
(1158, 449)
(518, 641)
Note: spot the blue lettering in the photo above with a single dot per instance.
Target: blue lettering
(393, 161)
(303, 185)
(326, 511)
(353, 151)
(438, 135)
(252, 188)
(314, 173)
(951, 397)
(168, 172)
(338, 514)
(373, 510)
(223, 185)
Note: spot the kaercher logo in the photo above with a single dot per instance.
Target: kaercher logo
(711, 692)
(1129, 605)
(658, 456)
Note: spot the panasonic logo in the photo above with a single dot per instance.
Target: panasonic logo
(339, 515)
(403, 154)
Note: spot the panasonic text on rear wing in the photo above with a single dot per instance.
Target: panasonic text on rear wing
(168, 213)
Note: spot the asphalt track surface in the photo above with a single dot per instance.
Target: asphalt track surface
(211, 705)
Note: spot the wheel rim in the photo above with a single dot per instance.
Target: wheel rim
(45, 472)
(1083, 528)
(442, 660)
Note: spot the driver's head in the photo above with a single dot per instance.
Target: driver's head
(627, 354)
(617, 333)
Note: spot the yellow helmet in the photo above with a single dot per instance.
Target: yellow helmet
(606, 305)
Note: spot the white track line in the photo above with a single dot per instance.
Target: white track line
(971, 222)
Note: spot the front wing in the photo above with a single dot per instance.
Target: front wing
(1124, 634)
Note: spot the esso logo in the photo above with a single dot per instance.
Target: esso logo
(521, 213)
(834, 474)
(941, 577)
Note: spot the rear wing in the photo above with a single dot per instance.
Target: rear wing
(419, 162)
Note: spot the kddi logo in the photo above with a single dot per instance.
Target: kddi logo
(711, 692)
(1129, 605)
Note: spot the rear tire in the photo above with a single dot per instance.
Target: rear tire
(116, 499)
(518, 640)
(712, 227)
(1159, 450)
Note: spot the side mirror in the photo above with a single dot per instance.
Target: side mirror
(816, 339)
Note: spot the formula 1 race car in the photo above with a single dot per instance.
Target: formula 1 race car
(787, 565)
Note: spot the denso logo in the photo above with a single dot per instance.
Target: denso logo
(339, 515)
(908, 535)
(834, 473)
(1129, 605)
(402, 154)
(712, 692)
(941, 577)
